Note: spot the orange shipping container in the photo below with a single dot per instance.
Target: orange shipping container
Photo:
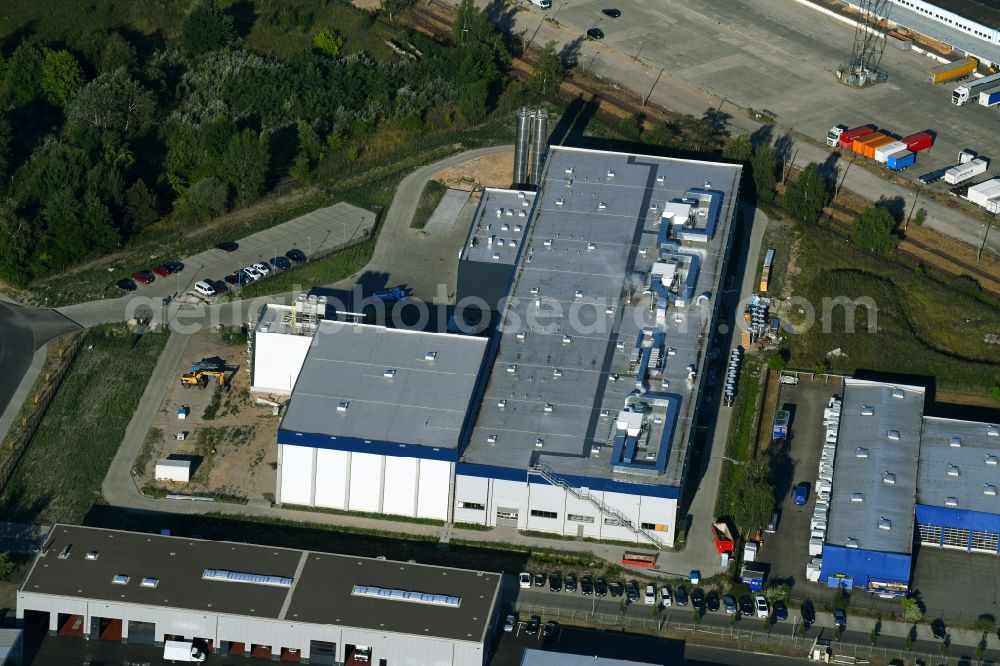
(870, 147)
(859, 144)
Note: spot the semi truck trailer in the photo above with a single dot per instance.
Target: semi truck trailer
(990, 97)
(970, 90)
(963, 172)
(901, 160)
(952, 70)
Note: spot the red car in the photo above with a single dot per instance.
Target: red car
(143, 277)
(162, 271)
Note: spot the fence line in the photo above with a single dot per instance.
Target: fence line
(23, 430)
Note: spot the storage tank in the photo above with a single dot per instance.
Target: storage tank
(522, 143)
(540, 145)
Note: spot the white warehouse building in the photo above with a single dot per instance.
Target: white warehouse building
(263, 601)
(576, 414)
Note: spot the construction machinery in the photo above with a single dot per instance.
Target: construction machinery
(202, 377)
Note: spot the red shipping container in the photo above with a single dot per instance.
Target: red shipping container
(919, 141)
(848, 137)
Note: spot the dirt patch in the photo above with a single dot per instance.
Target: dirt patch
(229, 439)
(490, 171)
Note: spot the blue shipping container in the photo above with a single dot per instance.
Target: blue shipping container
(901, 160)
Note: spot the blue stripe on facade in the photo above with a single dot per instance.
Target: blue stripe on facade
(375, 447)
(606, 485)
(943, 516)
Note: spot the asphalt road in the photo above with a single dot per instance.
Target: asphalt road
(22, 331)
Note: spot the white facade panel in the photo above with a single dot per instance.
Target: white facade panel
(401, 485)
(295, 484)
(578, 511)
(628, 506)
(331, 478)
(661, 512)
(472, 490)
(435, 489)
(277, 361)
(544, 500)
(366, 482)
(509, 495)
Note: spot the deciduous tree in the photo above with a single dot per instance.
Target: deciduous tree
(873, 231)
(329, 42)
(808, 195)
(739, 149)
(206, 199)
(548, 70)
(23, 78)
(205, 28)
(245, 164)
(62, 77)
(114, 102)
(764, 166)
(140, 207)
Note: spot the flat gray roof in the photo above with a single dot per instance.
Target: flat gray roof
(534, 657)
(423, 402)
(965, 448)
(984, 12)
(590, 247)
(320, 592)
(891, 437)
(499, 227)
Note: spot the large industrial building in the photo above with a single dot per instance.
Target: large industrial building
(901, 478)
(575, 411)
(264, 601)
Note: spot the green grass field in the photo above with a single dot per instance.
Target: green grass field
(60, 475)
(325, 271)
(429, 199)
(922, 325)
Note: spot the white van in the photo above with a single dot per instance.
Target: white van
(182, 651)
(544, 4)
(204, 288)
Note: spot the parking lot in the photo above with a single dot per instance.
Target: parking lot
(797, 460)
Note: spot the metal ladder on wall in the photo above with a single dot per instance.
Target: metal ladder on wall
(546, 473)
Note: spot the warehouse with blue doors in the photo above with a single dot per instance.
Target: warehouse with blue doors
(902, 478)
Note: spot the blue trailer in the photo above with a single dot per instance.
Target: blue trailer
(990, 97)
(781, 419)
(901, 160)
(753, 575)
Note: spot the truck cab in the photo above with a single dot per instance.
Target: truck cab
(833, 136)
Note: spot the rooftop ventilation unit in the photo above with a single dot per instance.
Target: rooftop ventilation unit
(867, 410)
(989, 489)
(511, 369)
(955, 442)
(953, 470)
(888, 478)
(893, 434)
(556, 372)
(897, 393)
(567, 339)
(993, 431)
(549, 408)
(611, 174)
(491, 439)
(951, 501)
(991, 459)
(852, 542)
(501, 404)
(64, 553)
(149, 582)
(227, 576)
(430, 356)
(539, 442)
(342, 406)
(884, 524)
(857, 498)
(373, 592)
(389, 373)
(121, 579)
(91, 555)
(862, 452)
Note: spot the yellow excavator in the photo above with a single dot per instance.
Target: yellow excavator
(201, 377)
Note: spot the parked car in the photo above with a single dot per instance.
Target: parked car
(555, 582)
(680, 596)
(650, 595)
(262, 268)
(570, 584)
(232, 278)
(296, 255)
(204, 288)
(510, 623)
(772, 525)
(228, 246)
(698, 599)
(600, 587)
(282, 263)
(540, 579)
(780, 612)
(174, 266)
(524, 579)
(632, 591)
(532, 627)
(550, 628)
(666, 598)
(616, 589)
(712, 601)
(840, 619)
(729, 601)
(938, 629)
(252, 273)
(219, 286)
(144, 277)
(760, 603)
(746, 606)
(801, 493)
(613, 13)
(163, 270)
(127, 284)
(595, 33)
(586, 586)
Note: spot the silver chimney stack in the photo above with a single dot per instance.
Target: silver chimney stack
(522, 146)
(540, 146)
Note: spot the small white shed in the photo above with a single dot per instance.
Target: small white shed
(173, 470)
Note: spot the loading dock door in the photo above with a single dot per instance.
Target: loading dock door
(141, 633)
(322, 652)
(507, 517)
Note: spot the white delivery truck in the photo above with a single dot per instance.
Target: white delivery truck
(182, 651)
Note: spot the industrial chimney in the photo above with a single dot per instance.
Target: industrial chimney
(540, 146)
(522, 144)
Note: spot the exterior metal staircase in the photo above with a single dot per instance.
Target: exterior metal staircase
(546, 473)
